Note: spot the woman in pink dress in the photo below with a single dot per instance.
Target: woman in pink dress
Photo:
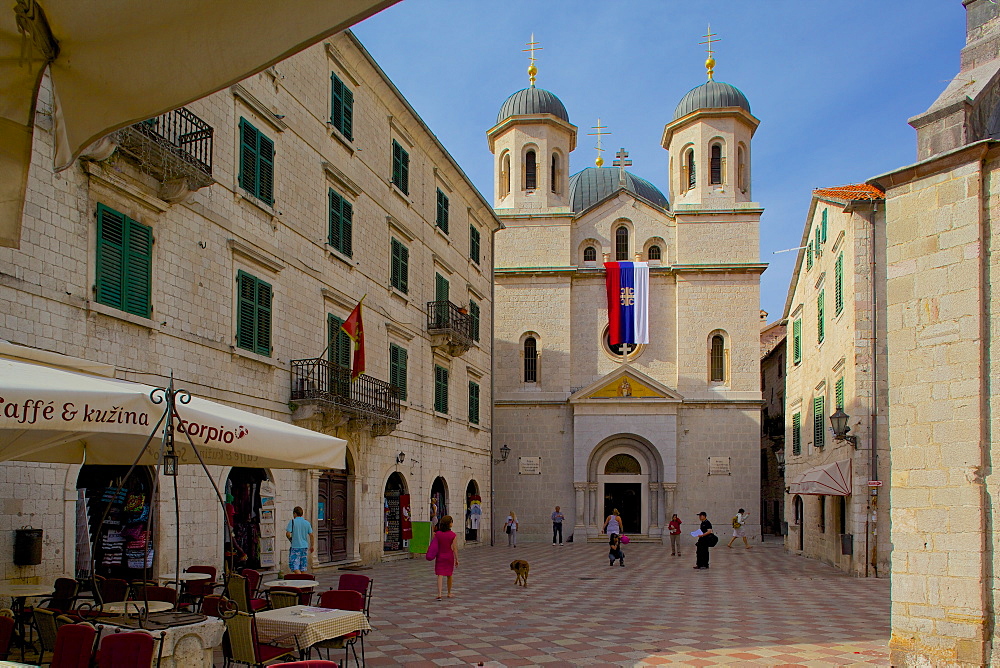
(443, 551)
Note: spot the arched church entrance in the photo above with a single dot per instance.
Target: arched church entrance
(625, 474)
(623, 491)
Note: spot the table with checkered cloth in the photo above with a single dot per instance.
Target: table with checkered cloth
(308, 624)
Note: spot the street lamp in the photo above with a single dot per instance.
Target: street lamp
(400, 458)
(504, 453)
(839, 422)
(779, 456)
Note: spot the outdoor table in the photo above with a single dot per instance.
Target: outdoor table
(17, 593)
(293, 584)
(15, 664)
(133, 607)
(308, 624)
(183, 577)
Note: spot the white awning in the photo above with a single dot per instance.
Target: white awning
(828, 480)
(56, 415)
(117, 62)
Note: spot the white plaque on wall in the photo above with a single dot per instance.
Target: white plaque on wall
(719, 466)
(529, 466)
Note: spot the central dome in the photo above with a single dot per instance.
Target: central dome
(590, 186)
(532, 101)
(711, 95)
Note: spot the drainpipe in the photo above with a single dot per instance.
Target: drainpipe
(493, 431)
(873, 423)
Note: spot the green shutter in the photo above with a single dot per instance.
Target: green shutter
(399, 270)
(110, 257)
(809, 256)
(348, 113)
(797, 434)
(819, 429)
(823, 227)
(263, 335)
(341, 223)
(839, 393)
(248, 157)
(820, 316)
(440, 389)
(246, 319)
(797, 341)
(397, 369)
(441, 288)
(838, 284)
(442, 211)
(335, 202)
(400, 167)
(265, 189)
(474, 316)
(474, 243)
(340, 344)
(473, 402)
(138, 268)
(342, 107)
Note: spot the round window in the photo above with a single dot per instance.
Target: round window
(618, 350)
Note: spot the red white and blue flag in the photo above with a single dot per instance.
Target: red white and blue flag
(628, 302)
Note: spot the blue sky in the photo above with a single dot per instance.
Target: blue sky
(832, 82)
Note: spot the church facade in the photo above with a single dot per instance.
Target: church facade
(669, 426)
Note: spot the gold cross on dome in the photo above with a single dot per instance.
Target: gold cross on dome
(532, 47)
(710, 61)
(621, 162)
(599, 132)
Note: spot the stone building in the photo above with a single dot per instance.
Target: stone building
(673, 427)
(942, 320)
(836, 362)
(254, 221)
(772, 426)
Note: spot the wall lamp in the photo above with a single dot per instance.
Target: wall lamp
(400, 458)
(504, 453)
(839, 422)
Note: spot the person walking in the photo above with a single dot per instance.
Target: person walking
(613, 524)
(557, 521)
(300, 532)
(443, 551)
(615, 550)
(739, 521)
(675, 532)
(510, 526)
(706, 540)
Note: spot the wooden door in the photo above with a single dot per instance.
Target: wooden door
(331, 517)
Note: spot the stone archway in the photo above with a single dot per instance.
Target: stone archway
(624, 471)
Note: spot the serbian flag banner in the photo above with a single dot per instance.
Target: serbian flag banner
(354, 328)
(628, 302)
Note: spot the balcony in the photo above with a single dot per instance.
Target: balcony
(450, 327)
(773, 427)
(321, 389)
(175, 147)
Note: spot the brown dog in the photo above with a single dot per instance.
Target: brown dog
(521, 567)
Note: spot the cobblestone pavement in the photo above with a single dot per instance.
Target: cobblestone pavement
(758, 607)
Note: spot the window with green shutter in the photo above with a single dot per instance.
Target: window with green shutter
(797, 341)
(839, 393)
(820, 316)
(474, 243)
(838, 283)
(340, 345)
(400, 167)
(399, 265)
(819, 428)
(342, 108)
(797, 434)
(441, 296)
(440, 389)
(442, 211)
(473, 402)
(822, 227)
(397, 369)
(341, 224)
(809, 256)
(124, 262)
(253, 324)
(474, 317)
(256, 163)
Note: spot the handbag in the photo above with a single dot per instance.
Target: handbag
(624, 539)
(506, 529)
(432, 551)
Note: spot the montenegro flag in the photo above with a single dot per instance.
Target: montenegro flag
(354, 328)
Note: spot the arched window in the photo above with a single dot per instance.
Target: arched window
(530, 360)
(590, 254)
(741, 179)
(530, 171)
(505, 175)
(715, 169)
(554, 173)
(621, 244)
(690, 168)
(718, 359)
(653, 253)
(622, 464)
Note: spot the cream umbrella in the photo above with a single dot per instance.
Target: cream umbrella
(117, 62)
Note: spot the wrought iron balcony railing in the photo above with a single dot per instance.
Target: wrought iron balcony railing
(189, 137)
(443, 317)
(364, 397)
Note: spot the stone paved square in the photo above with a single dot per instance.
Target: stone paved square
(759, 607)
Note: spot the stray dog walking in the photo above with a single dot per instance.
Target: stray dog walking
(521, 568)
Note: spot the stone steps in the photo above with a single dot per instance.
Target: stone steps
(633, 538)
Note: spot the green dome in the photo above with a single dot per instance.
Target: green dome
(711, 95)
(532, 101)
(590, 186)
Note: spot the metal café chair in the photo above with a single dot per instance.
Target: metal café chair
(283, 597)
(6, 634)
(361, 584)
(133, 649)
(344, 599)
(242, 645)
(74, 646)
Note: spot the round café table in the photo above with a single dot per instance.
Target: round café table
(17, 593)
(183, 577)
(294, 584)
(134, 607)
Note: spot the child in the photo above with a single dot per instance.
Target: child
(443, 551)
(615, 550)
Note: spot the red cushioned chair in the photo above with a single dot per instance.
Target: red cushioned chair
(6, 634)
(126, 650)
(361, 584)
(74, 646)
(344, 599)
(197, 590)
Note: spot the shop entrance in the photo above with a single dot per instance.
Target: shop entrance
(473, 511)
(331, 517)
(439, 502)
(397, 514)
(120, 547)
(627, 498)
(250, 508)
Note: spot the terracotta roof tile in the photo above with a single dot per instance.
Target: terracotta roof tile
(851, 192)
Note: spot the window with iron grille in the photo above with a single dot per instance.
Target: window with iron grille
(124, 262)
(473, 402)
(474, 318)
(400, 167)
(474, 243)
(530, 360)
(440, 389)
(253, 324)
(256, 163)
(718, 359)
(690, 169)
(839, 393)
(342, 108)
(590, 254)
(339, 343)
(442, 211)
(715, 169)
(397, 369)
(621, 244)
(653, 253)
(554, 173)
(838, 283)
(797, 434)
(820, 316)
(530, 171)
(797, 341)
(399, 265)
(819, 428)
(341, 224)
